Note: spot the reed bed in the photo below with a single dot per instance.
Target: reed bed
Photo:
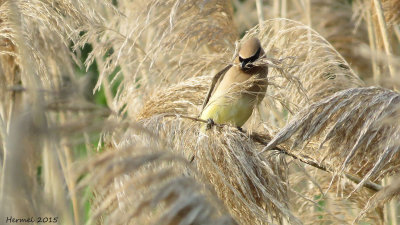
(99, 106)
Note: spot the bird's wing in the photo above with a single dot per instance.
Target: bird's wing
(214, 84)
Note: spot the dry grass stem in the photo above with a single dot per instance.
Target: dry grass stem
(385, 36)
(359, 116)
(99, 105)
(386, 194)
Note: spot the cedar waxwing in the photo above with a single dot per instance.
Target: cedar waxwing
(238, 88)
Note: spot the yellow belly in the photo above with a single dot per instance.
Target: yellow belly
(232, 111)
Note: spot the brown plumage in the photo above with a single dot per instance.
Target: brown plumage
(233, 95)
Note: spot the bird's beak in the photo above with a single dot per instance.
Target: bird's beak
(243, 65)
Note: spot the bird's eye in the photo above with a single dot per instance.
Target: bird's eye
(240, 59)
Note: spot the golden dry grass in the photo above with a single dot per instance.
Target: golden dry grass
(319, 148)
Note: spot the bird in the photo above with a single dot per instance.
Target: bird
(237, 89)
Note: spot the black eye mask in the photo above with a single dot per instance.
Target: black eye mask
(251, 59)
